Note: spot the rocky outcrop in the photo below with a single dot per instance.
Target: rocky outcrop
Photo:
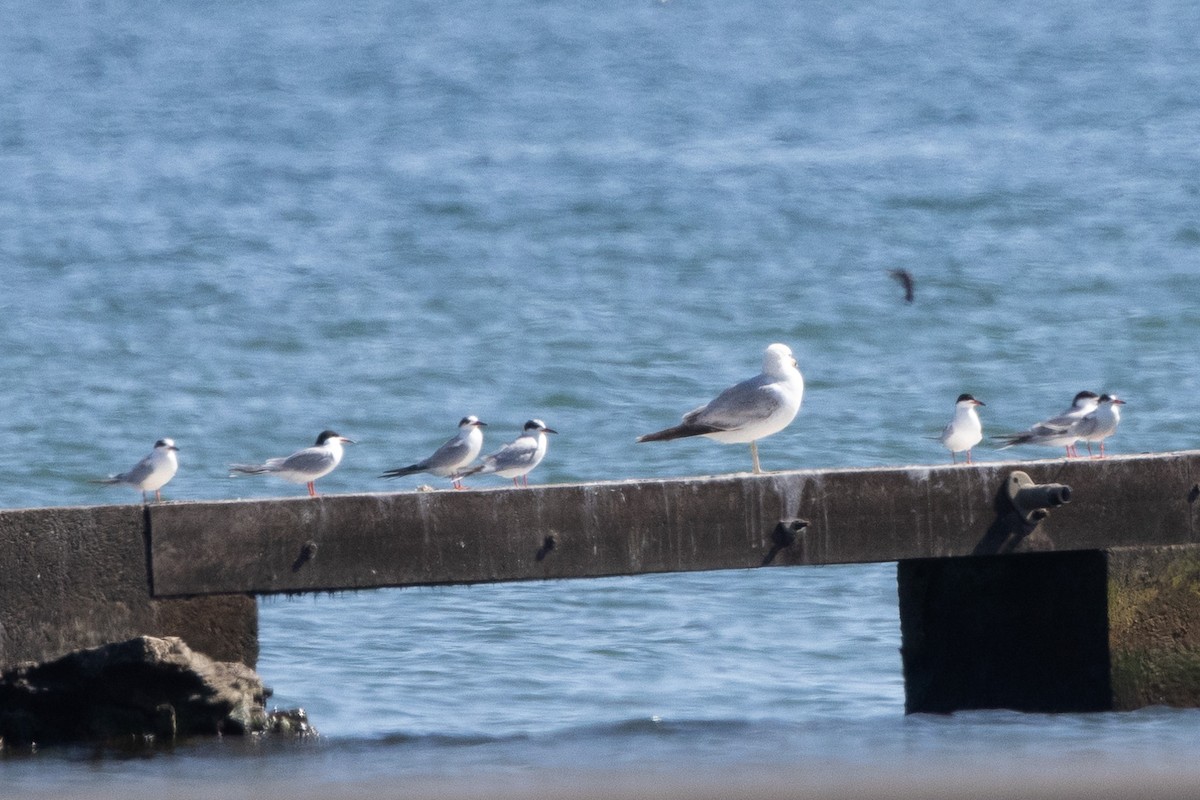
(142, 690)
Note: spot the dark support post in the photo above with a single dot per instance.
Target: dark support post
(1052, 632)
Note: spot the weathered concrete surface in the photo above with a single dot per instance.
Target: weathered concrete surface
(142, 690)
(1096, 630)
(1154, 626)
(633, 527)
(77, 577)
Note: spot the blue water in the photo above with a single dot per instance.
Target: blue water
(239, 224)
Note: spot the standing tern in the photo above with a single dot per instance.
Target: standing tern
(965, 430)
(748, 411)
(1101, 423)
(452, 456)
(303, 466)
(151, 473)
(517, 458)
(1060, 431)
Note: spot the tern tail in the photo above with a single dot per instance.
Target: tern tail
(400, 473)
(248, 469)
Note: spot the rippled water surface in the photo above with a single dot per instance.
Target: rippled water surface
(237, 225)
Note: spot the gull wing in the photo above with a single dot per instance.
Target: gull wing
(749, 401)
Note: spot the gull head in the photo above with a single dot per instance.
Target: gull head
(778, 358)
(471, 421)
(535, 426)
(165, 444)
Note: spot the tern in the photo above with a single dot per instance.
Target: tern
(1060, 431)
(965, 430)
(452, 456)
(748, 411)
(517, 458)
(151, 473)
(303, 466)
(1101, 423)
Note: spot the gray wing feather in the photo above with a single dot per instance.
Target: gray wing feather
(513, 454)
(447, 455)
(139, 473)
(1087, 426)
(312, 459)
(748, 401)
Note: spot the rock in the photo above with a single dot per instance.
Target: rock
(142, 690)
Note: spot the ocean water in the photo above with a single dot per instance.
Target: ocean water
(239, 224)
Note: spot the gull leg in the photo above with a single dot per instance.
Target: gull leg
(953, 457)
(754, 455)
(158, 495)
(517, 482)
(312, 490)
(968, 456)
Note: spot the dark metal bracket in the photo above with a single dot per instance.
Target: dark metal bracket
(784, 535)
(1033, 500)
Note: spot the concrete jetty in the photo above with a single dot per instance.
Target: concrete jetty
(1056, 585)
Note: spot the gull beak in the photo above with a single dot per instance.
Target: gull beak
(549, 430)
(980, 403)
(344, 440)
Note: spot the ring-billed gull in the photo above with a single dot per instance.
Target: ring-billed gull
(748, 411)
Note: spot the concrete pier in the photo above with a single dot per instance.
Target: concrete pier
(637, 527)
(78, 577)
(1092, 597)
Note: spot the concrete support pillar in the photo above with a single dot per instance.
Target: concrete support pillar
(1091, 630)
(78, 577)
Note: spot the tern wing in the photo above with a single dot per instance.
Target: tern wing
(1086, 426)
(448, 456)
(513, 454)
(1055, 427)
(1062, 421)
(139, 473)
(308, 460)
